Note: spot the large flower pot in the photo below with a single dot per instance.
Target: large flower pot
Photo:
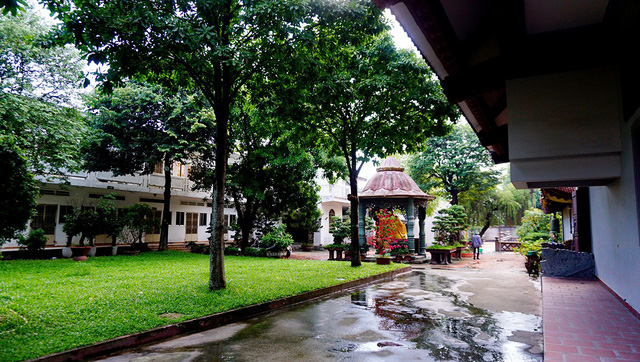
(67, 252)
(80, 252)
(383, 260)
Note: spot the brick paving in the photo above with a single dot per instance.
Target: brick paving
(583, 321)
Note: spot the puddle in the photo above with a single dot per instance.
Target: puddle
(424, 316)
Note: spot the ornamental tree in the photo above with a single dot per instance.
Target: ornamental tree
(135, 127)
(455, 163)
(212, 46)
(448, 224)
(357, 95)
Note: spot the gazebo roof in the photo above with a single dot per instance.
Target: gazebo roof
(390, 181)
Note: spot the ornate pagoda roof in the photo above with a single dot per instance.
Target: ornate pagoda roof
(390, 181)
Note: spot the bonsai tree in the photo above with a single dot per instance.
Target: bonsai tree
(277, 239)
(448, 225)
(72, 225)
(90, 224)
(140, 221)
(339, 229)
(112, 222)
(35, 240)
(533, 232)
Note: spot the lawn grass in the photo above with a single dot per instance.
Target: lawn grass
(48, 306)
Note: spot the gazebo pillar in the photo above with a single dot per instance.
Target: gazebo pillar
(410, 213)
(361, 232)
(422, 213)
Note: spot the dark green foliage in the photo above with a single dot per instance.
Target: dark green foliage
(304, 221)
(18, 190)
(339, 229)
(141, 220)
(36, 240)
(113, 222)
(214, 47)
(38, 81)
(257, 252)
(199, 249)
(455, 163)
(448, 224)
(358, 96)
(277, 239)
(231, 250)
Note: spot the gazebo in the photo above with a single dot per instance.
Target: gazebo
(391, 188)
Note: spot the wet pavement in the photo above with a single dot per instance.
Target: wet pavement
(464, 313)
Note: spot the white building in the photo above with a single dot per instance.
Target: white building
(190, 210)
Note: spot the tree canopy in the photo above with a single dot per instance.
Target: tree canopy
(356, 96)
(213, 46)
(138, 126)
(456, 163)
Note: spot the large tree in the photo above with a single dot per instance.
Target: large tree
(455, 163)
(18, 190)
(136, 127)
(215, 46)
(358, 96)
(38, 83)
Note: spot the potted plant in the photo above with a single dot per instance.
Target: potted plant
(33, 242)
(466, 253)
(447, 227)
(112, 222)
(302, 223)
(277, 242)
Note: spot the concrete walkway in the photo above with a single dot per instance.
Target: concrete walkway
(583, 321)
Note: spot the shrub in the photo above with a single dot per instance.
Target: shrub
(198, 248)
(251, 251)
(339, 229)
(277, 239)
(231, 250)
(36, 240)
(448, 225)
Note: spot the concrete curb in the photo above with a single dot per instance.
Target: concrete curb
(210, 321)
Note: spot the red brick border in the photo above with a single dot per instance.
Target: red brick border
(208, 322)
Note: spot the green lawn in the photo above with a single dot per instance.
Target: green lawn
(49, 306)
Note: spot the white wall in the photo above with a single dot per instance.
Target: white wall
(572, 118)
(614, 227)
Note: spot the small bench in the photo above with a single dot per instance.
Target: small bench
(507, 245)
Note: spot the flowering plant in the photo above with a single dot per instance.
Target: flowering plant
(384, 232)
(399, 247)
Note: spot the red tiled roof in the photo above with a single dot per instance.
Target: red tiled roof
(390, 181)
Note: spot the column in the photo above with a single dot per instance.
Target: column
(361, 233)
(422, 212)
(410, 213)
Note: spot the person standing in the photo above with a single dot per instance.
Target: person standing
(476, 243)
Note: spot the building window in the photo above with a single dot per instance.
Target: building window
(45, 218)
(179, 170)
(64, 211)
(157, 217)
(332, 213)
(203, 219)
(192, 223)
(179, 218)
(159, 167)
(232, 219)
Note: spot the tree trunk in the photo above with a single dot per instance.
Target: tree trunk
(355, 240)
(487, 222)
(216, 242)
(454, 197)
(166, 212)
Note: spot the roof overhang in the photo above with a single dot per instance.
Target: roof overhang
(477, 47)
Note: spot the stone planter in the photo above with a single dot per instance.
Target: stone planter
(382, 260)
(67, 252)
(80, 252)
(441, 256)
(467, 255)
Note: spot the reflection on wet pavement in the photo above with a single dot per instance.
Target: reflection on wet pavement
(421, 316)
